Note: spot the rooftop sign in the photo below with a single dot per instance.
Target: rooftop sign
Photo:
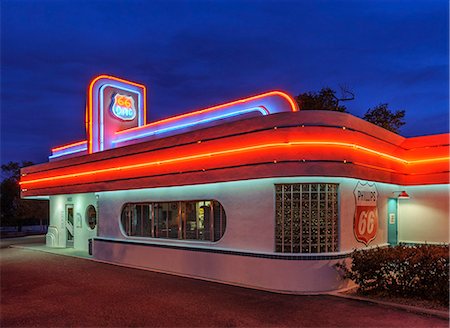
(122, 107)
(116, 115)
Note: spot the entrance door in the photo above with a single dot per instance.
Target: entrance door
(392, 221)
(69, 225)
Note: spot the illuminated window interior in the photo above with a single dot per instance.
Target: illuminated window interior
(188, 220)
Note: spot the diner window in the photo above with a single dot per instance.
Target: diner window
(306, 218)
(166, 220)
(192, 220)
(198, 220)
(136, 220)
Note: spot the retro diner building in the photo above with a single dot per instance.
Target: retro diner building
(253, 192)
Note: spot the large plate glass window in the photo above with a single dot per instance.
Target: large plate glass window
(195, 220)
(306, 218)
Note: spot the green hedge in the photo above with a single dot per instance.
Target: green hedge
(409, 271)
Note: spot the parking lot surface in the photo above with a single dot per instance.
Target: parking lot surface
(45, 290)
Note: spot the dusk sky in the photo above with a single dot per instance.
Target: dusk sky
(195, 54)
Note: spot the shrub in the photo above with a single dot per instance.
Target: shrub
(409, 271)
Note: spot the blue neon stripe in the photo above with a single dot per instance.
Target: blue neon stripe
(68, 152)
(176, 127)
(118, 85)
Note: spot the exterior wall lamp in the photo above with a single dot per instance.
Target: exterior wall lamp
(402, 194)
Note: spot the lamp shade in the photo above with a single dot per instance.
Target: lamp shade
(403, 195)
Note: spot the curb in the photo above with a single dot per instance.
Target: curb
(31, 248)
(4, 235)
(409, 308)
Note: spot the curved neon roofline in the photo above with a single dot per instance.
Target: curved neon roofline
(180, 121)
(292, 103)
(236, 150)
(151, 132)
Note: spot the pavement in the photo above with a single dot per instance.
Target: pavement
(40, 289)
(26, 240)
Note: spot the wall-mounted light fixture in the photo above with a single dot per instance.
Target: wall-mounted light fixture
(401, 194)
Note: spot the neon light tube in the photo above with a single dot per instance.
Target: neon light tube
(79, 143)
(68, 152)
(102, 132)
(292, 104)
(231, 151)
(181, 126)
(91, 105)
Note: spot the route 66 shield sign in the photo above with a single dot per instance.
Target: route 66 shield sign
(123, 107)
(365, 223)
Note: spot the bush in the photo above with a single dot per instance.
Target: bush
(408, 271)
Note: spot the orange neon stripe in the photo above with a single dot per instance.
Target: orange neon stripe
(144, 122)
(69, 145)
(417, 161)
(230, 151)
(209, 109)
(91, 105)
(86, 119)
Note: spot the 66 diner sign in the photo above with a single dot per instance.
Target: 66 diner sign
(365, 223)
(123, 107)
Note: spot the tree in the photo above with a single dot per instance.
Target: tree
(14, 210)
(382, 116)
(12, 170)
(325, 99)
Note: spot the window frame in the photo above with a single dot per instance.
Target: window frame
(86, 217)
(181, 223)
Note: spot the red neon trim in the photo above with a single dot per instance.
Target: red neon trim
(91, 105)
(294, 108)
(236, 150)
(78, 143)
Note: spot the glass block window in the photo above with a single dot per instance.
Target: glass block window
(306, 218)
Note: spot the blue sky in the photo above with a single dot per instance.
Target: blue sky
(194, 54)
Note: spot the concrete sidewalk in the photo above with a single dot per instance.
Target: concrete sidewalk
(23, 240)
(57, 251)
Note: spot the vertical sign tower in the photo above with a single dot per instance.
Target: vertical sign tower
(114, 105)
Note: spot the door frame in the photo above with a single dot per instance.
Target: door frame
(392, 221)
(66, 218)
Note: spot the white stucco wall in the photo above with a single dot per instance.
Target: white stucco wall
(280, 275)
(250, 210)
(82, 232)
(425, 216)
(57, 221)
(249, 206)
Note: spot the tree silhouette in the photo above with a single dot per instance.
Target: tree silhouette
(325, 99)
(14, 210)
(382, 116)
